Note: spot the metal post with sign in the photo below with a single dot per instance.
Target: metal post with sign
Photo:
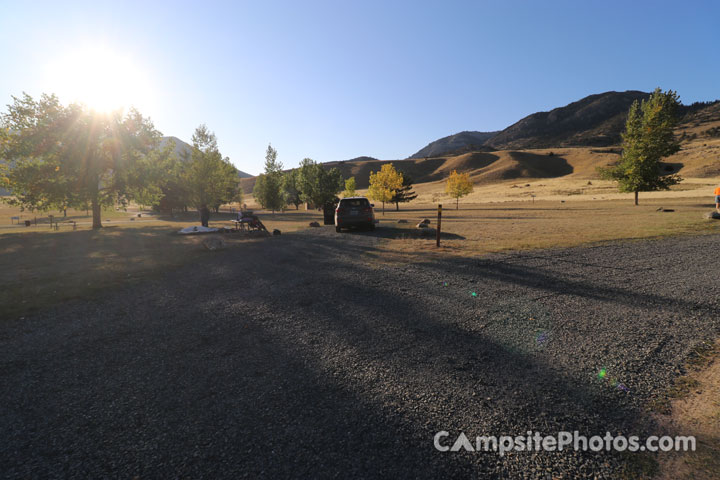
(439, 221)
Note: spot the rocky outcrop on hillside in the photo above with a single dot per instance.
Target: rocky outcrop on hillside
(595, 121)
(462, 142)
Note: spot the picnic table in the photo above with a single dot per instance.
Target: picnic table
(247, 222)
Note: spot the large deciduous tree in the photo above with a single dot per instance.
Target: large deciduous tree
(648, 138)
(210, 179)
(458, 185)
(268, 190)
(291, 188)
(155, 176)
(171, 179)
(349, 187)
(70, 156)
(318, 185)
(385, 184)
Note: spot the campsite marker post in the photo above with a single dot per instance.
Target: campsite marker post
(437, 236)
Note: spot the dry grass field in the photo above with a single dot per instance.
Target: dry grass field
(44, 266)
(483, 228)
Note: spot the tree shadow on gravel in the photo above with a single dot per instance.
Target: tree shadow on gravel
(228, 400)
(292, 358)
(551, 282)
(407, 354)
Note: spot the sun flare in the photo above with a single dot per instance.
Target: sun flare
(100, 78)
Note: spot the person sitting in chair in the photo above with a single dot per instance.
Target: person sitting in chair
(717, 199)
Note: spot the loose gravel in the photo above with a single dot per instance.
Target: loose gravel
(308, 356)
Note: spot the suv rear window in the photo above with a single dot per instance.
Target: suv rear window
(354, 202)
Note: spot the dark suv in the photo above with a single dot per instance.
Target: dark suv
(354, 212)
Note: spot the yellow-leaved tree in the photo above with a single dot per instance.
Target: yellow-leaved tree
(384, 184)
(458, 185)
(349, 187)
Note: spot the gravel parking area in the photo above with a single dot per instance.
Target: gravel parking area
(308, 356)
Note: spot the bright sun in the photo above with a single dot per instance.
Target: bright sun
(101, 79)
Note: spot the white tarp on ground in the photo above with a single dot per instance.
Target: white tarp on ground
(198, 229)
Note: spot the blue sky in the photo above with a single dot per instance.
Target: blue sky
(338, 79)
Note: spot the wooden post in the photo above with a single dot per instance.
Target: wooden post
(439, 223)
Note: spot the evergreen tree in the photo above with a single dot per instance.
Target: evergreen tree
(405, 193)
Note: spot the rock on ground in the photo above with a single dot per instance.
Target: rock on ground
(214, 243)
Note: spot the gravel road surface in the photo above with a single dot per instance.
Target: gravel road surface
(309, 356)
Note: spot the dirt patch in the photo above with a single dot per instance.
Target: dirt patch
(696, 413)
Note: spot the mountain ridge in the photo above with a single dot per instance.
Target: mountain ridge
(184, 149)
(593, 121)
(456, 143)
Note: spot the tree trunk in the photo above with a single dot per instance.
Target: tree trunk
(636, 198)
(383, 208)
(457, 203)
(95, 206)
(204, 216)
(397, 206)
